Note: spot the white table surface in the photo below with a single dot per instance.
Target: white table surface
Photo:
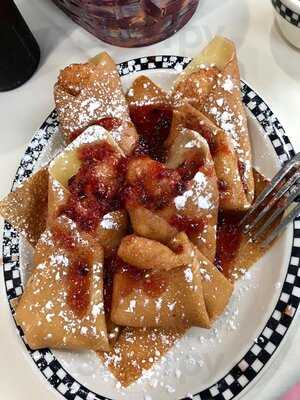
(268, 63)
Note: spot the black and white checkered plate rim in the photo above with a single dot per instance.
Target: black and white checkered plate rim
(266, 344)
(289, 15)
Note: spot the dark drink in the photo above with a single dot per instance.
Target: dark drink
(130, 23)
(19, 51)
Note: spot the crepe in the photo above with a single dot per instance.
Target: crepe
(144, 92)
(167, 296)
(26, 207)
(113, 225)
(149, 254)
(91, 93)
(190, 154)
(194, 208)
(226, 163)
(220, 100)
(194, 85)
(62, 305)
(196, 81)
(137, 350)
(159, 298)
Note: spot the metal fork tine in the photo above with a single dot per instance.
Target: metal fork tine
(289, 218)
(289, 183)
(277, 178)
(276, 214)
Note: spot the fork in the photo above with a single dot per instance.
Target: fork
(279, 197)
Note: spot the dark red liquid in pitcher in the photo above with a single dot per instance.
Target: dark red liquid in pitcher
(130, 23)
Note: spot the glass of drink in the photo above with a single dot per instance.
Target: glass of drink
(19, 51)
(130, 23)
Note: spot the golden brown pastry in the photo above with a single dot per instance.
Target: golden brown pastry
(163, 201)
(137, 350)
(149, 254)
(180, 304)
(110, 227)
(195, 85)
(144, 92)
(190, 154)
(26, 207)
(220, 100)
(91, 93)
(226, 163)
(217, 289)
(192, 295)
(62, 305)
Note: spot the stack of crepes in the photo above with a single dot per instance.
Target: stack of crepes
(124, 220)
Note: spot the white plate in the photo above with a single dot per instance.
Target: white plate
(218, 364)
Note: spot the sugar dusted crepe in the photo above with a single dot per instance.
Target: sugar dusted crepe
(137, 350)
(145, 92)
(184, 199)
(26, 207)
(218, 96)
(62, 305)
(149, 254)
(90, 93)
(193, 294)
(112, 226)
(190, 154)
(226, 163)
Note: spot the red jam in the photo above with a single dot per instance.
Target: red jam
(229, 238)
(153, 283)
(96, 188)
(151, 183)
(109, 270)
(86, 212)
(108, 123)
(79, 274)
(78, 278)
(214, 147)
(223, 186)
(63, 238)
(96, 152)
(191, 226)
(189, 168)
(153, 126)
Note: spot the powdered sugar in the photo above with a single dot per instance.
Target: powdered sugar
(180, 201)
(188, 273)
(197, 193)
(131, 307)
(228, 84)
(101, 97)
(109, 222)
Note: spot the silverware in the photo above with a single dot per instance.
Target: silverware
(279, 197)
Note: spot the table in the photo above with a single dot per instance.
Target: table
(268, 63)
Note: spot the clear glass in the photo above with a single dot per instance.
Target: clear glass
(130, 23)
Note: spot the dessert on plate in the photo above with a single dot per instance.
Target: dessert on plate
(134, 224)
